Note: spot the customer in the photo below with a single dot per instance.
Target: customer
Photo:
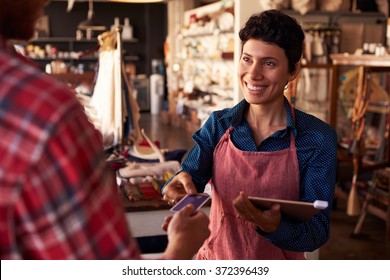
(262, 147)
(56, 201)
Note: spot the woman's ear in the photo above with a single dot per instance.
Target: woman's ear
(295, 73)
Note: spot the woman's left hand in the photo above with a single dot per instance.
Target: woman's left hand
(266, 220)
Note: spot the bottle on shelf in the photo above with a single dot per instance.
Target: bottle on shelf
(116, 23)
(127, 32)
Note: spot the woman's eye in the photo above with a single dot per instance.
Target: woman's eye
(269, 63)
(246, 59)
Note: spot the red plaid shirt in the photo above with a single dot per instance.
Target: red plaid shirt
(56, 200)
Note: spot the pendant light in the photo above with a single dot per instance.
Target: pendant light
(137, 1)
(89, 23)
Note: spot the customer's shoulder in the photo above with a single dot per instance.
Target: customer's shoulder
(31, 95)
(21, 80)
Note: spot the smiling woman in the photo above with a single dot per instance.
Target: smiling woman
(262, 147)
(54, 180)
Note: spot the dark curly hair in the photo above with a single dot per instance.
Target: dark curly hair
(275, 27)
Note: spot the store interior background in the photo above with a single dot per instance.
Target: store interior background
(156, 39)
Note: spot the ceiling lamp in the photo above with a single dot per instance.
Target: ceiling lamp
(89, 23)
(137, 1)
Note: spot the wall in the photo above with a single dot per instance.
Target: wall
(149, 25)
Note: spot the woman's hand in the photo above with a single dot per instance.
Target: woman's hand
(180, 185)
(266, 220)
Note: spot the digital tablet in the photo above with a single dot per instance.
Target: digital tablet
(297, 210)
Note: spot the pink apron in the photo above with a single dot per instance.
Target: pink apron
(266, 174)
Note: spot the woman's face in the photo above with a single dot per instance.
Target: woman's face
(263, 72)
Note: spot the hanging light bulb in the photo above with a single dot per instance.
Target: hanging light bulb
(137, 1)
(90, 23)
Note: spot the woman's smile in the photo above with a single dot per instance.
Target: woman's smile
(253, 87)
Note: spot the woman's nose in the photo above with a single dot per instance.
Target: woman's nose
(255, 71)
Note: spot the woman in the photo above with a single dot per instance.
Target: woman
(57, 200)
(262, 147)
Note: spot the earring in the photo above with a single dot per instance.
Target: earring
(286, 86)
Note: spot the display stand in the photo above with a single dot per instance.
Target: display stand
(377, 202)
(367, 64)
(113, 107)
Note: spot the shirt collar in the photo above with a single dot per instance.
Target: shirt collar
(237, 113)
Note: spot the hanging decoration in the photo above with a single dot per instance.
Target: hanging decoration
(357, 145)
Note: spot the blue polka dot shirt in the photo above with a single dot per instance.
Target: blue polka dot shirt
(316, 144)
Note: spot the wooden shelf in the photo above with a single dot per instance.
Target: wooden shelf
(72, 39)
(366, 60)
(73, 79)
(78, 51)
(204, 34)
(81, 58)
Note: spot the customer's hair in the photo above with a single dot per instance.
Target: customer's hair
(275, 27)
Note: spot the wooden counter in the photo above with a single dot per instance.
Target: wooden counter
(145, 217)
(142, 205)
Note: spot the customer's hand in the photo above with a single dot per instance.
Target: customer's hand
(266, 220)
(180, 185)
(186, 232)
